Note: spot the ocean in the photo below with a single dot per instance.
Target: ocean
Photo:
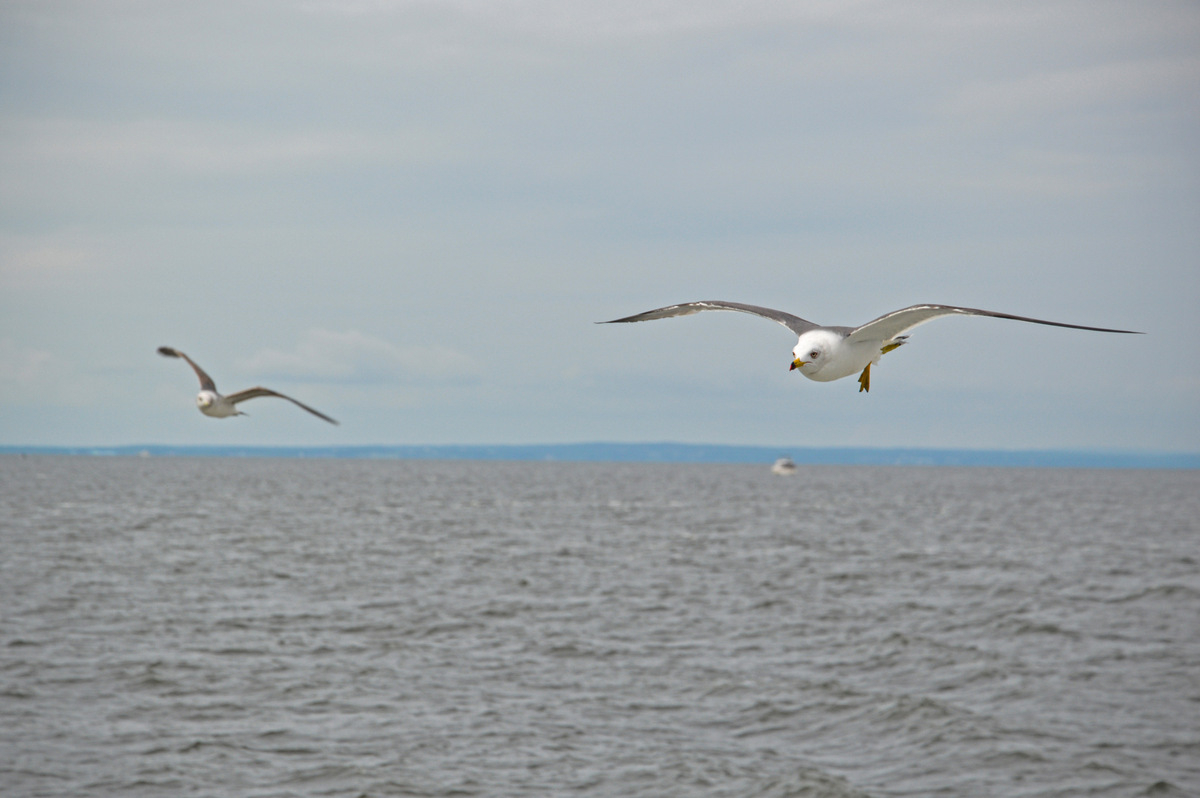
(290, 627)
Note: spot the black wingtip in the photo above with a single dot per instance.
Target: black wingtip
(167, 351)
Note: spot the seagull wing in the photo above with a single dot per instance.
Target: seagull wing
(253, 393)
(793, 323)
(890, 325)
(206, 382)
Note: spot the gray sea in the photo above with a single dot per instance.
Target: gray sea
(289, 627)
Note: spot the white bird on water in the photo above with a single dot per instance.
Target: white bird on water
(830, 353)
(216, 405)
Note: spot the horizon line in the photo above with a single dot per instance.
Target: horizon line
(652, 452)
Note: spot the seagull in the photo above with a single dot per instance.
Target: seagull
(214, 404)
(825, 354)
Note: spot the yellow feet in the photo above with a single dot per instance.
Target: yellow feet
(864, 380)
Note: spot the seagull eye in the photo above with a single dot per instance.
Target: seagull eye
(813, 355)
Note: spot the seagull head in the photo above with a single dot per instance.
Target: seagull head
(205, 399)
(812, 352)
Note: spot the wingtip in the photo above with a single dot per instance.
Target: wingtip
(167, 351)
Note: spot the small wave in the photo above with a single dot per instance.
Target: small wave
(23, 643)
(807, 783)
(1164, 789)
(1026, 627)
(1175, 592)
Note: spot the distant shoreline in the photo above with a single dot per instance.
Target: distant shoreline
(655, 453)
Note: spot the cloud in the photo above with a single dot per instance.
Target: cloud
(206, 148)
(353, 356)
(30, 263)
(32, 377)
(588, 19)
(22, 367)
(1115, 86)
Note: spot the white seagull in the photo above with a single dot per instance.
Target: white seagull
(830, 353)
(214, 404)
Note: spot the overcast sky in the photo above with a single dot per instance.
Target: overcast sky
(409, 215)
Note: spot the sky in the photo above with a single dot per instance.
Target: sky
(409, 215)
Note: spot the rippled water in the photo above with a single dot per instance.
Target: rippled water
(338, 627)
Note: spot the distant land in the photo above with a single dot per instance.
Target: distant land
(658, 453)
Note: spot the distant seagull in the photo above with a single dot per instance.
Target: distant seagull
(214, 404)
(830, 353)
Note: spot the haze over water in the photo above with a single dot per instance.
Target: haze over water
(421, 628)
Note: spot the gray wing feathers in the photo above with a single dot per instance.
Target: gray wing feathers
(890, 325)
(206, 382)
(253, 393)
(793, 323)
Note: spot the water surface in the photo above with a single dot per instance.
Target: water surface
(175, 626)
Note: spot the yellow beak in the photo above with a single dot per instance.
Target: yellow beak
(797, 363)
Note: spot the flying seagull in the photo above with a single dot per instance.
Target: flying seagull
(830, 353)
(214, 404)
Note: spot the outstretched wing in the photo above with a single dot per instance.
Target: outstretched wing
(206, 382)
(890, 325)
(793, 323)
(253, 393)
